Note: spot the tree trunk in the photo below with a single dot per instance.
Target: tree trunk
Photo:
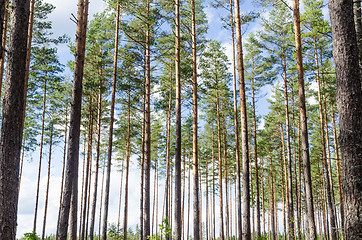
(3, 17)
(244, 127)
(272, 210)
(168, 133)
(338, 161)
(64, 157)
(40, 155)
(100, 205)
(48, 179)
(178, 227)
(99, 126)
(236, 127)
(289, 176)
(28, 53)
(12, 119)
(147, 162)
(256, 161)
(82, 190)
(324, 154)
(196, 214)
(312, 233)
(88, 163)
(120, 200)
(3, 32)
(111, 122)
(71, 178)
(128, 154)
(227, 222)
(143, 149)
(221, 205)
(349, 101)
(213, 182)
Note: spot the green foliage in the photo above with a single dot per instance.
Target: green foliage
(30, 236)
(165, 231)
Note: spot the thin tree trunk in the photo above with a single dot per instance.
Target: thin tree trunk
(64, 157)
(324, 154)
(213, 181)
(272, 211)
(48, 179)
(111, 122)
(128, 155)
(3, 17)
(178, 227)
(207, 199)
(221, 205)
(196, 214)
(88, 200)
(143, 150)
(338, 161)
(289, 176)
(88, 163)
(188, 204)
(21, 163)
(147, 169)
(100, 205)
(28, 53)
(244, 127)
(40, 155)
(99, 125)
(258, 229)
(120, 200)
(168, 133)
(82, 190)
(227, 223)
(236, 129)
(3, 32)
(312, 233)
(71, 178)
(349, 101)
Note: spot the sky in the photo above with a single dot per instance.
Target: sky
(63, 25)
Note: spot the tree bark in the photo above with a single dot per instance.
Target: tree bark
(40, 155)
(178, 227)
(349, 101)
(88, 163)
(236, 127)
(197, 230)
(324, 153)
(48, 179)
(111, 123)
(3, 32)
(99, 125)
(312, 233)
(128, 154)
(288, 173)
(244, 128)
(256, 160)
(147, 161)
(221, 205)
(28, 53)
(3, 17)
(71, 178)
(64, 157)
(12, 119)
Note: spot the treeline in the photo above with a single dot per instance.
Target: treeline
(151, 89)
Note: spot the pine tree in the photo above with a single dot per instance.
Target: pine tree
(12, 119)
